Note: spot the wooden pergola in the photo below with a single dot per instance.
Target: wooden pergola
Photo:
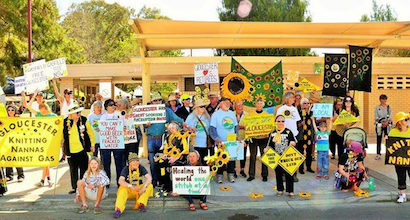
(168, 35)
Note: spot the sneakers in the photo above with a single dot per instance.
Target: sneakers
(72, 191)
(97, 210)
(402, 198)
(377, 157)
(231, 178)
(142, 208)
(82, 209)
(20, 179)
(326, 177)
(279, 193)
(250, 178)
(40, 184)
(117, 213)
(295, 179)
(243, 174)
(50, 184)
(9, 178)
(310, 171)
(219, 179)
(301, 172)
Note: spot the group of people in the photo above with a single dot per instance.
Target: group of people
(212, 120)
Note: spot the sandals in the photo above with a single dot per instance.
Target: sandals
(291, 195)
(203, 205)
(192, 207)
(279, 193)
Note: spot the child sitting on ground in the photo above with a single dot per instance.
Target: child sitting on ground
(322, 148)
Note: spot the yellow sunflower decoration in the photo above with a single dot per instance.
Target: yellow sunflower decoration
(361, 193)
(225, 188)
(255, 195)
(305, 195)
(274, 187)
(260, 96)
(236, 87)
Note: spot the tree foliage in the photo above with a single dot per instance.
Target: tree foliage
(268, 11)
(49, 38)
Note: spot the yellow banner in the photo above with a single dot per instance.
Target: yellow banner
(291, 160)
(30, 142)
(258, 124)
(3, 111)
(307, 86)
(345, 117)
(271, 158)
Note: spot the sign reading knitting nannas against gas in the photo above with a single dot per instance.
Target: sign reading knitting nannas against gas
(30, 142)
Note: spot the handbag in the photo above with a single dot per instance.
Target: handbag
(209, 142)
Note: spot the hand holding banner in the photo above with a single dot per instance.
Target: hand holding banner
(258, 125)
(345, 117)
(398, 151)
(322, 110)
(235, 150)
(206, 73)
(149, 113)
(191, 180)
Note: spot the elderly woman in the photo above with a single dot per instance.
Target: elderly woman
(401, 129)
(255, 144)
(306, 134)
(290, 112)
(279, 140)
(93, 118)
(194, 160)
(198, 122)
(12, 112)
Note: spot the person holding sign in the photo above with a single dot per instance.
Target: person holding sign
(401, 129)
(306, 134)
(44, 111)
(132, 186)
(110, 114)
(351, 169)
(12, 112)
(198, 122)
(92, 186)
(322, 148)
(223, 123)
(78, 141)
(337, 108)
(255, 144)
(279, 140)
(131, 131)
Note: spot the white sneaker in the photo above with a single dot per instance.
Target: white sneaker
(220, 179)
(40, 184)
(50, 184)
(377, 157)
(20, 179)
(231, 178)
(402, 198)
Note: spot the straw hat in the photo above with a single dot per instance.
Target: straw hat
(199, 103)
(74, 108)
(156, 96)
(213, 94)
(172, 97)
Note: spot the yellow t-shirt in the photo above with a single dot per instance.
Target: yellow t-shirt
(396, 133)
(75, 143)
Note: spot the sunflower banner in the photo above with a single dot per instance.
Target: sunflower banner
(335, 77)
(240, 84)
(360, 71)
(30, 142)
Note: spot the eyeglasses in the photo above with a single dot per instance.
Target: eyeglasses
(11, 110)
(307, 103)
(348, 100)
(280, 121)
(406, 119)
(156, 100)
(112, 104)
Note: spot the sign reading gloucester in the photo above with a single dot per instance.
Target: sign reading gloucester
(206, 73)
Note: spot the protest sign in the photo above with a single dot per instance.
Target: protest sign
(235, 150)
(345, 117)
(105, 89)
(306, 86)
(258, 125)
(322, 110)
(149, 113)
(56, 68)
(3, 111)
(206, 73)
(111, 134)
(398, 151)
(291, 159)
(191, 180)
(271, 158)
(30, 142)
(35, 76)
(19, 84)
(130, 133)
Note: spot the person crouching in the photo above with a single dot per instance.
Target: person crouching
(132, 186)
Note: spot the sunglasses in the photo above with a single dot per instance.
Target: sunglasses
(157, 100)
(307, 103)
(348, 100)
(112, 104)
(280, 121)
(406, 119)
(202, 106)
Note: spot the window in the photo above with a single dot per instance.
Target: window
(393, 82)
(190, 85)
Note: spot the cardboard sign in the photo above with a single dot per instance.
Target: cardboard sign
(111, 134)
(306, 86)
(130, 132)
(258, 125)
(30, 142)
(149, 113)
(291, 159)
(19, 84)
(271, 158)
(105, 89)
(35, 76)
(191, 180)
(398, 151)
(206, 73)
(322, 110)
(56, 68)
(235, 150)
(345, 117)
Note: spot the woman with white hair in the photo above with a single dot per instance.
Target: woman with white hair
(290, 112)
(306, 134)
(94, 118)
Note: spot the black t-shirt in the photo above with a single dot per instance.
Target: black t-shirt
(286, 137)
(350, 164)
(135, 178)
(211, 109)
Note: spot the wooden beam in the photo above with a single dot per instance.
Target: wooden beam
(396, 32)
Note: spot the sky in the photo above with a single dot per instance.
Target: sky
(206, 10)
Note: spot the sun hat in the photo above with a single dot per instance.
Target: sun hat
(400, 116)
(74, 108)
(172, 97)
(156, 96)
(199, 103)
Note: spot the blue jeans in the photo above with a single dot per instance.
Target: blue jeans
(154, 144)
(191, 198)
(119, 159)
(322, 163)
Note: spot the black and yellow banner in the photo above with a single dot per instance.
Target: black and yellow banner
(398, 151)
(30, 142)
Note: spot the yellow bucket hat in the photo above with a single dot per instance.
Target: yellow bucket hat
(400, 116)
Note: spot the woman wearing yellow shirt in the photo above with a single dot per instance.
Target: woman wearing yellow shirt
(78, 140)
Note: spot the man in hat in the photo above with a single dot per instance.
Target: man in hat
(214, 101)
(185, 109)
(155, 132)
(65, 100)
(133, 186)
(78, 140)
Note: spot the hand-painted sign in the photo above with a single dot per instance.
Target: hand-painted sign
(111, 134)
(191, 180)
(149, 113)
(206, 73)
